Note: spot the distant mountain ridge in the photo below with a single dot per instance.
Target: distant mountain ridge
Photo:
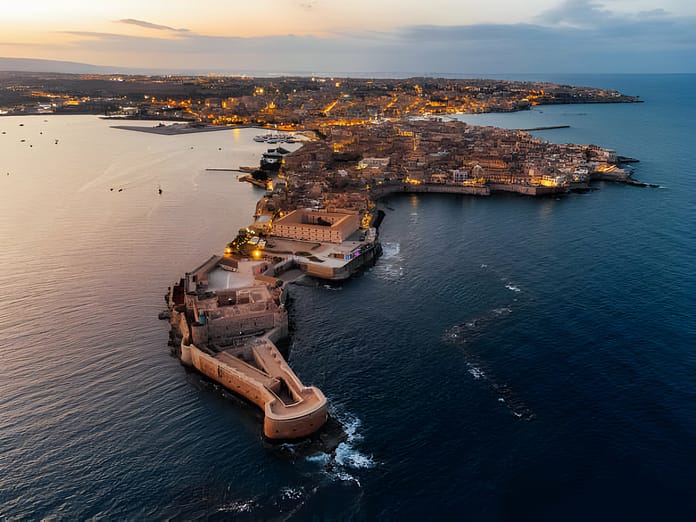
(65, 67)
(55, 66)
(35, 65)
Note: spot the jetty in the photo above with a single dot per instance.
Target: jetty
(546, 127)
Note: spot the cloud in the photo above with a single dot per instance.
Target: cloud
(580, 13)
(575, 36)
(150, 25)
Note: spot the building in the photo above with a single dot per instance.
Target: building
(459, 175)
(320, 226)
(373, 162)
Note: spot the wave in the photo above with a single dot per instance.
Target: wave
(460, 335)
(390, 250)
(347, 456)
(238, 506)
(291, 493)
(339, 464)
(475, 371)
(390, 262)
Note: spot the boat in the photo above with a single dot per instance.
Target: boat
(271, 159)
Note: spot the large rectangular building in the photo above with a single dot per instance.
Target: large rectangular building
(316, 225)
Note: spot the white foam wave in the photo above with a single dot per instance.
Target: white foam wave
(348, 456)
(320, 458)
(343, 476)
(238, 506)
(502, 311)
(453, 335)
(350, 425)
(291, 493)
(475, 371)
(480, 371)
(512, 287)
(390, 250)
(390, 263)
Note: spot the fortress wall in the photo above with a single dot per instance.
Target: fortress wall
(315, 269)
(225, 329)
(408, 188)
(201, 273)
(199, 334)
(231, 379)
(279, 428)
(527, 190)
(184, 328)
(281, 421)
(266, 279)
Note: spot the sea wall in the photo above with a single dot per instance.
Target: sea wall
(302, 413)
(410, 188)
(527, 190)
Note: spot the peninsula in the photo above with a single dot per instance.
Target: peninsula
(362, 140)
(319, 218)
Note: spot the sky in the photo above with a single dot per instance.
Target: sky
(356, 36)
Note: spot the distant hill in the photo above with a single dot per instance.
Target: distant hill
(56, 66)
(33, 65)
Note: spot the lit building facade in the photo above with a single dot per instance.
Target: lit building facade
(320, 226)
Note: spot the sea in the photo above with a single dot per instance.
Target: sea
(507, 358)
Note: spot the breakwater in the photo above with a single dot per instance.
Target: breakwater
(480, 190)
(545, 127)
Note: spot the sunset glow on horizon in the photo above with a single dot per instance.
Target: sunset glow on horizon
(360, 35)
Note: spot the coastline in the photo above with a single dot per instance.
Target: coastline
(173, 129)
(221, 364)
(603, 283)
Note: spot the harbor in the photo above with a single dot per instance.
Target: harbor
(227, 314)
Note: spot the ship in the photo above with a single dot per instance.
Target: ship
(272, 159)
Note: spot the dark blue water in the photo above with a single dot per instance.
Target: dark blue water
(507, 358)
